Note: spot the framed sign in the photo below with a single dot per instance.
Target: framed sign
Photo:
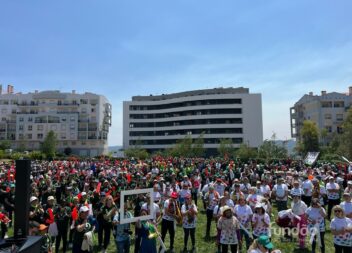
(311, 157)
(125, 194)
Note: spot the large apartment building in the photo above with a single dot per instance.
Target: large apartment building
(157, 122)
(81, 121)
(327, 110)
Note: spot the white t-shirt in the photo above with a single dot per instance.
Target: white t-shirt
(245, 189)
(296, 191)
(332, 195)
(185, 221)
(253, 199)
(171, 207)
(264, 189)
(313, 214)
(346, 238)
(243, 214)
(347, 207)
(220, 188)
(155, 209)
(298, 208)
(212, 199)
(280, 191)
(307, 187)
(228, 227)
(260, 229)
(157, 196)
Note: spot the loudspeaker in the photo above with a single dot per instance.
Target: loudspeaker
(22, 194)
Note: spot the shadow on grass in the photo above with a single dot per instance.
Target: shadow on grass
(305, 250)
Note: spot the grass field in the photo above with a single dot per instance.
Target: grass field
(205, 246)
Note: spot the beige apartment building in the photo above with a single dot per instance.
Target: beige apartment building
(81, 121)
(327, 110)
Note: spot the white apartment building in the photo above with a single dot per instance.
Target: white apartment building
(157, 122)
(81, 121)
(327, 110)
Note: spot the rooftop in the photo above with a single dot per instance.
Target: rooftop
(221, 90)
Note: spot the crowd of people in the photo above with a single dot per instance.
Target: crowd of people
(73, 200)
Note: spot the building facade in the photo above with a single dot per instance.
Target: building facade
(327, 110)
(81, 121)
(157, 122)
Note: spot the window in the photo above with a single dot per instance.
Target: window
(63, 119)
(63, 136)
(72, 126)
(29, 127)
(327, 116)
(39, 136)
(53, 127)
(63, 127)
(20, 127)
(72, 118)
(93, 110)
(3, 111)
(20, 136)
(30, 119)
(339, 117)
(40, 127)
(29, 136)
(20, 119)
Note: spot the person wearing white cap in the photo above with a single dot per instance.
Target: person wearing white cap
(81, 226)
(333, 190)
(260, 222)
(35, 212)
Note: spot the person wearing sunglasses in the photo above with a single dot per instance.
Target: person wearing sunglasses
(341, 228)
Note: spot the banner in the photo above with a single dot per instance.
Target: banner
(311, 157)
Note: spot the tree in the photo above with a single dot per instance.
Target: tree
(137, 151)
(244, 152)
(226, 148)
(309, 137)
(49, 145)
(198, 146)
(6, 144)
(270, 150)
(345, 140)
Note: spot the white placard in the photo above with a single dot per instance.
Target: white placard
(344, 158)
(124, 220)
(311, 157)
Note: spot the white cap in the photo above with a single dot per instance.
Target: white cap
(32, 199)
(51, 198)
(83, 193)
(83, 209)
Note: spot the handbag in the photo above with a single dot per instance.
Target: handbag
(53, 231)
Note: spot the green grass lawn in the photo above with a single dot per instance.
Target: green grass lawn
(203, 245)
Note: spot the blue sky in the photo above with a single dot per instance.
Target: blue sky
(281, 49)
